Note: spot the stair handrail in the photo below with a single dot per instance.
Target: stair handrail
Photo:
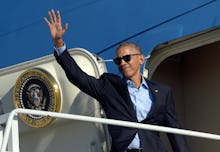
(15, 112)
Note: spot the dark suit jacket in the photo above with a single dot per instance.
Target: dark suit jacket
(112, 93)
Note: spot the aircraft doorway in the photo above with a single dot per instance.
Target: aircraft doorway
(194, 76)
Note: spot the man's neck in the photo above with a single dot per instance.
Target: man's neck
(137, 80)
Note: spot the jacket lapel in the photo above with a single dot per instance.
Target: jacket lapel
(125, 95)
(154, 92)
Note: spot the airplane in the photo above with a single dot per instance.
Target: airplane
(181, 42)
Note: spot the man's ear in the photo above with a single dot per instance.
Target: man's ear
(142, 58)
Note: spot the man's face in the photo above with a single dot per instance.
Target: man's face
(130, 68)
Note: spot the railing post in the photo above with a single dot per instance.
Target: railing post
(1, 127)
(13, 141)
(1, 135)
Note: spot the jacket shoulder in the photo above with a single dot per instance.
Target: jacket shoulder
(110, 76)
(158, 85)
(113, 79)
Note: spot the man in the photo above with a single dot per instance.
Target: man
(131, 98)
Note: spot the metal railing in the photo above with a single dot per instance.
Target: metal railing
(10, 138)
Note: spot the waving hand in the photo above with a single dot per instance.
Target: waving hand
(55, 26)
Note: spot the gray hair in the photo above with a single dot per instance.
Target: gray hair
(132, 44)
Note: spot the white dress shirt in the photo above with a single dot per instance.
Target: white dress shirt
(142, 103)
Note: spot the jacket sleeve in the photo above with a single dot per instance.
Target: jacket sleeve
(88, 84)
(178, 142)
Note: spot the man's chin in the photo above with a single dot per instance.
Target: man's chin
(127, 75)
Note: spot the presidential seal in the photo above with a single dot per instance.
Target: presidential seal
(37, 89)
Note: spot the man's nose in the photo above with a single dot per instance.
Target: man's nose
(123, 62)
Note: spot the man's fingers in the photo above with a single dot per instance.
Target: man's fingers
(50, 16)
(46, 20)
(58, 17)
(66, 27)
(54, 23)
(53, 15)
